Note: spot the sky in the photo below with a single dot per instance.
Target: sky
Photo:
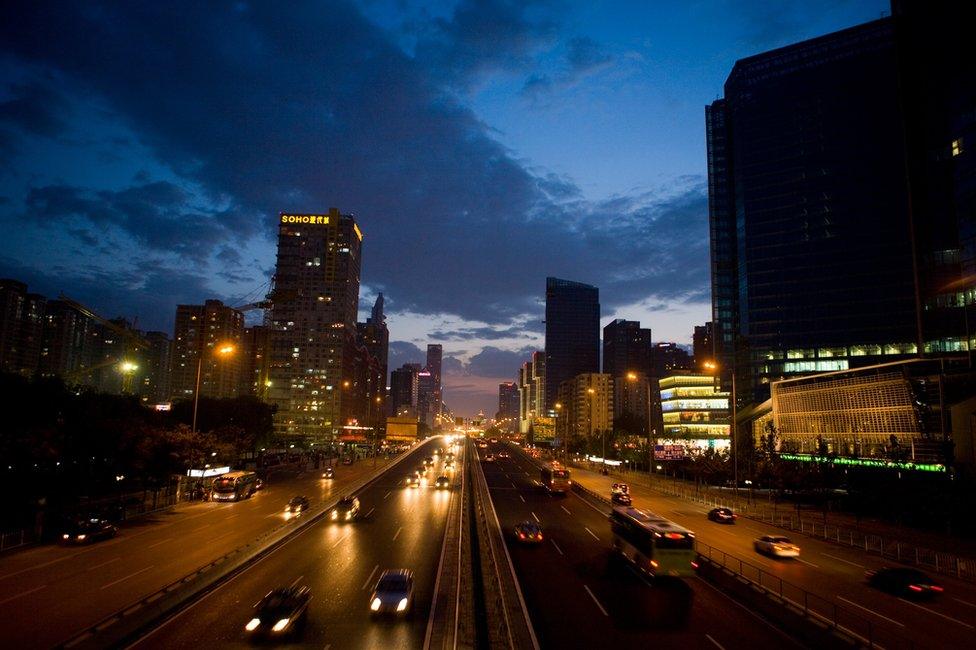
(147, 148)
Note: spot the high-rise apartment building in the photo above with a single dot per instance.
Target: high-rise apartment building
(256, 360)
(404, 390)
(841, 202)
(21, 328)
(626, 348)
(315, 297)
(508, 405)
(155, 359)
(702, 350)
(375, 335)
(66, 349)
(208, 337)
(572, 333)
(584, 407)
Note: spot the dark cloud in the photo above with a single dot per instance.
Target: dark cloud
(583, 57)
(495, 362)
(34, 108)
(402, 352)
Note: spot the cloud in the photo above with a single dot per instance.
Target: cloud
(583, 57)
(495, 362)
(34, 108)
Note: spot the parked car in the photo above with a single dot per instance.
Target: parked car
(903, 581)
(722, 515)
(777, 546)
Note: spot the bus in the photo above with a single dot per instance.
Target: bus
(652, 543)
(555, 478)
(234, 486)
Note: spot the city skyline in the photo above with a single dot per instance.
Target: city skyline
(115, 184)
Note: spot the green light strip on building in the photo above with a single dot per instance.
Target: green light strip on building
(867, 462)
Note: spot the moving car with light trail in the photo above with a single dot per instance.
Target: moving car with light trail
(442, 483)
(297, 505)
(904, 582)
(85, 531)
(528, 532)
(722, 515)
(393, 593)
(346, 510)
(279, 613)
(777, 546)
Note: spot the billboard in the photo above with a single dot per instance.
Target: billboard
(401, 429)
(669, 452)
(543, 430)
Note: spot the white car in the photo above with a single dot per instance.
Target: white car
(777, 546)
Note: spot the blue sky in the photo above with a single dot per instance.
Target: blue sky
(146, 150)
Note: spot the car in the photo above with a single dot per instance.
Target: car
(504, 454)
(85, 531)
(777, 546)
(421, 470)
(346, 510)
(412, 480)
(281, 612)
(528, 532)
(347, 460)
(621, 498)
(450, 466)
(258, 485)
(489, 458)
(329, 472)
(904, 582)
(494, 441)
(429, 461)
(393, 592)
(722, 515)
(297, 505)
(442, 482)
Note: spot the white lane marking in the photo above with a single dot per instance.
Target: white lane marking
(591, 533)
(566, 510)
(371, 574)
(341, 539)
(131, 575)
(229, 532)
(397, 534)
(99, 566)
(868, 609)
(595, 600)
(522, 497)
(23, 593)
(932, 611)
(387, 494)
(536, 518)
(815, 566)
(370, 512)
(40, 566)
(557, 546)
(964, 602)
(717, 644)
(840, 559)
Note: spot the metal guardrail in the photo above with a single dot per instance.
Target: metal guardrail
(15, 539)
(125, 624)
(937, 561)
(838, 618)
(503, 596)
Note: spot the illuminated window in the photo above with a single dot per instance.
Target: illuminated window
(957, 146)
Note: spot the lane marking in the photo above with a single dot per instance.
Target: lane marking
(371, 574)
(566, 510)
(932, 611)
(23, 593)
(536, 518)
(717, 644)
(591, 533)
(595, 600)
(843, 560)
(964, 602)
(341, 539)
(815, 566)
(557, 546)
(522, 497)
(397, 534)
(40, 566)
(868, 609)
(131, 575)
(99, 566)
(387, 494)
(369, 513)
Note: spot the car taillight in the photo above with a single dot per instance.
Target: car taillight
(915, 588)
(654, 563)
(935, 587)
(694, 565)
(521, 535)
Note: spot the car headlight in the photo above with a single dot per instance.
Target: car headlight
(402, 605)
(348, 515)
(82, 536)
(335, 514)
(281, 624)
(252, 624)
(375, 605)
(66, 536)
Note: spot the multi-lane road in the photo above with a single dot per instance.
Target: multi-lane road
(400, 528)
(832, 572)
(49, 593)
(579, 596)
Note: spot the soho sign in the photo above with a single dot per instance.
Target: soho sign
(305, 218)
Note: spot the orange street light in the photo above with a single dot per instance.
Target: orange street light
(632, 376)
(223, 350)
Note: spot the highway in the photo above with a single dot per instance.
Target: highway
(833, 572)
(580, 596)
(402, 528)
(72, 587)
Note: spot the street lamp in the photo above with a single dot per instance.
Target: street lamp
(711, 365)
(632, 377)
(559, 407)
(223, 350)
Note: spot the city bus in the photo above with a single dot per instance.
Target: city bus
(652, 543)
(234, 486)
(555, 478)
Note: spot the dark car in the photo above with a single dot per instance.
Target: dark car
(258, 485)
(412, 481)
(84, 531)
(346, 510)
(280, 613)
(347, 460)
(329, 472)
(903, 581)
(621, 498)
(528, 532)
(393, 593)
(297, 505)
(442, 482)
(722, 515)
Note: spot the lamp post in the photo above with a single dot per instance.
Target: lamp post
(732, 434)
(559, 407)
(633, 377)
(223, 350)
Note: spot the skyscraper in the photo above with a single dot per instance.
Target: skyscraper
(315, 298)
(572, 333)
(508, 404)
(199, 334)
(626, 348)
(255, 355)
(404, 390)
(702, 349)
(21, 328)
(435, 352)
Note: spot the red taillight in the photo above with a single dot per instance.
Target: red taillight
(935, 587)
(521, 535)
(694, 565)
(540, 536)
(654, 563)
(915, 588)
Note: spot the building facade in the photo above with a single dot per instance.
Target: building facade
(696, 415)
(435, 354)
(584, 408)
(507, 416)
(209, 337)
(313, 320)
(572, 333)
(256, 357)
(21, 328)
(532, 391)
(404, 390)
(626, 348)
(703, 349)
